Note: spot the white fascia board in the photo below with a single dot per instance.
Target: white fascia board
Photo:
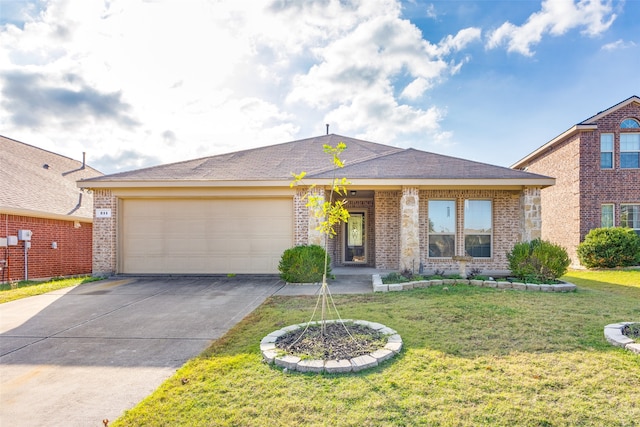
(39, 214)
(569, 132)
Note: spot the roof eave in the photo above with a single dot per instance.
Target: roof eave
(9, 210)
(568, 133)
(362, 183)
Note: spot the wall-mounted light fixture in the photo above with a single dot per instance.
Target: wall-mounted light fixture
(54, 245)
(353, 192)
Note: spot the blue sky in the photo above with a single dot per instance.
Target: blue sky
(137, 83)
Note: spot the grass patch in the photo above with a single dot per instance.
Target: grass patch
(472, 356)
(29, 288)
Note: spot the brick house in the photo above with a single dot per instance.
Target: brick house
(237, 213)
(596, 164)
(38, 193)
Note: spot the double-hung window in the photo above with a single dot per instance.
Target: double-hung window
(442, 228)
(606, 215)
(478, 220)
(606, 151)
(630, 150)
(630, 216)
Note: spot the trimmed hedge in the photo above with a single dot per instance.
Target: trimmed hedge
(538, 260)
(610, 247)
(303, 264)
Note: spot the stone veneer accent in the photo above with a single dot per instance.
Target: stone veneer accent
(104, 234)
(409, 229)
(531, 222)
(272, 355)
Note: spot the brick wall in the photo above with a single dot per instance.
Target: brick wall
(387, 229)
(598, 186)
(572, 206)
(506, 227)
(72, 256)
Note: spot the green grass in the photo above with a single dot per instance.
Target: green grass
(472, 356)
(29, 288)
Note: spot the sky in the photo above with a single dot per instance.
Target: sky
(138, 83)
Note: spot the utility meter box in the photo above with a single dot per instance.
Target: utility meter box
(24, 235)
(12, 240)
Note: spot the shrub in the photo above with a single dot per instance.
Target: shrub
(303, 264)
(538, 260)
(610, 247)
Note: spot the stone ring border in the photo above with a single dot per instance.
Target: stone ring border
(272, 355)
(613, 334)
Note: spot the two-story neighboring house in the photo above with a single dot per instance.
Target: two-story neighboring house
(596, 164)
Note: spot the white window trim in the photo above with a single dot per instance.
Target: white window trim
(490, 234)
(629, 204)
(613, 149)
(455, 229)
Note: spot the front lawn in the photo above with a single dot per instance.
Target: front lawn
(29, 288)
(472, 356)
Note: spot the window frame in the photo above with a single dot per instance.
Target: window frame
(624, 222)
(430, 233)
(483, 234)
(634, 123)
(609, 152)
(612, 215)
(636, 151)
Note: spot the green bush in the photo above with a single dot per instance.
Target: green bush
(303, 264)
(538, 260)
(610, 247)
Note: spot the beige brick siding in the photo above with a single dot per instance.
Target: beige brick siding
(387, 229)
(105, 235)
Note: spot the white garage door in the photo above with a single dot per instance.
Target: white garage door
(204, 236)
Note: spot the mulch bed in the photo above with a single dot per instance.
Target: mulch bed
(632, 331)
(334, 344)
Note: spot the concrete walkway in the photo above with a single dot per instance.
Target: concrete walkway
(80, 355)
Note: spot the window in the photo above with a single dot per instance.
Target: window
(606, 151)
(477, 228)
(630, 217)
(629, 124)
(630, 150)
(606, 215)
(442, 228)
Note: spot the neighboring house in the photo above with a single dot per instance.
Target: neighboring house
(38, 193)
(596, 164)
(236, 212)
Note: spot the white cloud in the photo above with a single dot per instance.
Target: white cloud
(134, 82)
(618, 44)
(555, 18)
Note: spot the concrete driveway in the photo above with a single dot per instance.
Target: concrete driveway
(80, 355)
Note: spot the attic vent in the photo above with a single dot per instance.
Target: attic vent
(46, 166)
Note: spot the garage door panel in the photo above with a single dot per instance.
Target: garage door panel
(204, 236)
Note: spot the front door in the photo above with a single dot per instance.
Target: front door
(355, 239)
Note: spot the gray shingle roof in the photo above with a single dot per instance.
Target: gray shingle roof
(40, 181)
(362, 159)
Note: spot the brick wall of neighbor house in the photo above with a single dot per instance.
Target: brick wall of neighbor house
(506, 227)
(561, 203)
(71, 257)
(105, 234)
(598, 186)
(387, 229)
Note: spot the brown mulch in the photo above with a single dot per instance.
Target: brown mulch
(334, 344)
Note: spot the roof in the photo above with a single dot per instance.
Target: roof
(36, 182)
(364, 160)
(585, 125)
